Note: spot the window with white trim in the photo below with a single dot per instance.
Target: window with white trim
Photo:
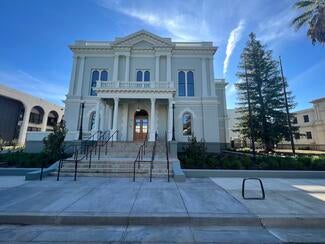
(143, 75)
(186, 83)
(95, 76)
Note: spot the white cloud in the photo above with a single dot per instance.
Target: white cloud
(230, 89)
(233, 39)
(25, 82)
(181, 26)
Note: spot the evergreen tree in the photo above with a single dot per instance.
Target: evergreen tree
(265, 86)
(54, 142)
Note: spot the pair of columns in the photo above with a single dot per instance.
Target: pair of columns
(168, 68)
(102, 111)
(127, 67)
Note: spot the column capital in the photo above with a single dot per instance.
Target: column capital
(153, 100)
(116, 99)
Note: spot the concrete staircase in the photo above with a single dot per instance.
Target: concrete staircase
(119, 161)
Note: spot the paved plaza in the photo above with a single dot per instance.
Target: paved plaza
(198, 210)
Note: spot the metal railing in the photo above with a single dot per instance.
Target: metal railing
(135, 84)
(167, 153)
(139, 158)
(153, 155)
(73, 148)
(87, 149)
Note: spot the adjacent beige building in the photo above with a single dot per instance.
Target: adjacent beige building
(311, 123)
(22, 113)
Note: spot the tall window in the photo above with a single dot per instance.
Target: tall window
(94, 79)
(187, 124)
(181, 83)
(146, 75)
(139, 75)
(92, 120)
(103, 74)
(186, 83)
(143, 75)
(190, 83)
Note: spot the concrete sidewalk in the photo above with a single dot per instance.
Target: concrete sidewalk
(198, 210)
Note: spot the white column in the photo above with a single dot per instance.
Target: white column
(170, 120)
(157, 67)
(97, 117)
(116, 102)
(169, 68)
(44, 122)
(115, 71)
(102, 115)
(127, 67)
(24, 126)
(212, 88)
(204, 77)
(110, 115)
(152, 120)
(81, 75)
(73, 76)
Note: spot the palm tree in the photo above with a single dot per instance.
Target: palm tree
(313, 14)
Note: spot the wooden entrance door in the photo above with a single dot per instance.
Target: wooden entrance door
(140, 125)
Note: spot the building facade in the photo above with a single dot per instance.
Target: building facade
(311, 123)
(21, 113)
(142, 84)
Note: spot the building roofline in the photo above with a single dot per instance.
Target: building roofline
(23, 94)
(318, 100)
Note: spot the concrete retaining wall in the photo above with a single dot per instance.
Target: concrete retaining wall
(201, 173)
(16, 171)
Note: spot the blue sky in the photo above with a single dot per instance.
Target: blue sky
(35, 34)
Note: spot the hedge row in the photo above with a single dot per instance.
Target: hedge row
(27, 160)
(262, 162)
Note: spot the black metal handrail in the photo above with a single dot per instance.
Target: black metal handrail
(87, 150)
(167, 153)
(153, 155)
(74, 146)
(105, 143)
(141, 153)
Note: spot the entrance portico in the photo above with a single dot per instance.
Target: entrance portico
(136, 119)
(118, 103)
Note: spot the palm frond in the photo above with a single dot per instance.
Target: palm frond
(304, 3)
(302, 19)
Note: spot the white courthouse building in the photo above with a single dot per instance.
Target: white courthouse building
(142, 84)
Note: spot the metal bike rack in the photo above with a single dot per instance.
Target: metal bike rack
(252, 198)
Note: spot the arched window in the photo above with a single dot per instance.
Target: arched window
(187, 124)
(92, 120)
(36, 115)
(190, 83)
(104, 75)
(181, 83)
(139, 75)
(147, 76)
(94, 79)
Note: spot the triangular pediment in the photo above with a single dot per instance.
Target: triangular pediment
(143, 39)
